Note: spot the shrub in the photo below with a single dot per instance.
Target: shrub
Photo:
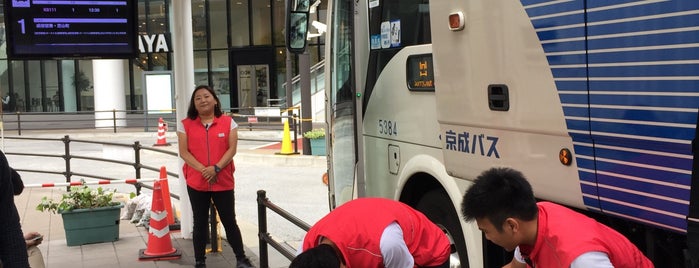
(316, 133)
(79, 197)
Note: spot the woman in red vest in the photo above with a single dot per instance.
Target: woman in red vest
(207, 143)
(543, 234)
(374, 232)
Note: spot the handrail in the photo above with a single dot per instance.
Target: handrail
(138, 166)
(67, 156)
(119, 119)
(262, 204)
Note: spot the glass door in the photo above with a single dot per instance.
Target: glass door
(253, 86)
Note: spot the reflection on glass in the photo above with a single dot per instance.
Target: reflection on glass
(298, 24)
(342, 108)
(302, 5)
(240, 35)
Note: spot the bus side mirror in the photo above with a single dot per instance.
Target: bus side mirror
(297, 25)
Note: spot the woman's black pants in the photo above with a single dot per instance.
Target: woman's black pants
(225, 205)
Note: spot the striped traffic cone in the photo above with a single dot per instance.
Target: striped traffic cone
(162, 128)
(159, 242)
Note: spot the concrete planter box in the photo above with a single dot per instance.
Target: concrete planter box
(87, 226)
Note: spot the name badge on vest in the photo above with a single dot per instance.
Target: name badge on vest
(221, 135)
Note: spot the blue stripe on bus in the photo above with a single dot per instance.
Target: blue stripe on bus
(573, 99)
(638, 10)
(589, 177)
(667, 132)
(576, 111)
(646, 159)
(566, 59)
(641, 41)
(533, 2)
(578, 136)
(578, 32)
(651, 172)
(595, 4)
(659, 219)
(583, 125)
(571, 85)
(639, 101)
(645, 86)
(590, 190)
(660, 176)
(555, 8)
(645, 70)
(586, 163)
(583, 149)
(690, 53)
(653, 145)
(591, 202)
(655, 175)
(635, 26)
(569, 72)
(655, 189)
(644, 115)
(642, 70)
(645, 201)
(564, 46)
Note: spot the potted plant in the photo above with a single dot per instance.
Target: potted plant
(317, 138)
(89, 215)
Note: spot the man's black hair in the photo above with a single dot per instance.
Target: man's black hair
(498, 194)
(322, 256)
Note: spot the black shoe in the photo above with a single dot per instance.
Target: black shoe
(244, 263)
(200, 264)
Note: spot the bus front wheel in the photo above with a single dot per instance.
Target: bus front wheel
(437, 206)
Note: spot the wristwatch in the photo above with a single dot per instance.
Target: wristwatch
(217, 169)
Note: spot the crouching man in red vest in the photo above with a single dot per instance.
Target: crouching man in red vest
(543, 234)
(374, 232)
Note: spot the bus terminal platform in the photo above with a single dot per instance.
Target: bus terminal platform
(125, 251)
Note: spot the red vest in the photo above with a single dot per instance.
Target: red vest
(356, 228)
(208, 146)
(563, 235)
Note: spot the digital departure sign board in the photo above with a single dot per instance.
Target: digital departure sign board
(47, 29)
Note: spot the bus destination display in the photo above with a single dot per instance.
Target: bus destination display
(70, 29)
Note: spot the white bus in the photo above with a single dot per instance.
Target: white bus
(596, 102)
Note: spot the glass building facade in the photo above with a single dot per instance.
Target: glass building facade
(239, 50)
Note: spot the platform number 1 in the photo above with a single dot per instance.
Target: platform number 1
(21, 22)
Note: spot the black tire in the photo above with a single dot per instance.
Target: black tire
(437, 206)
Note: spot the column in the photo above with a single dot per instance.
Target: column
(108, 77)
(183, 72)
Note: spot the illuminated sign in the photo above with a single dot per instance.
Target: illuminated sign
(43, 29)
(420, 74)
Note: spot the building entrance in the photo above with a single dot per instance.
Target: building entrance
(251, 82)
(253, 85)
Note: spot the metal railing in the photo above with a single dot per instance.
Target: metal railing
(67, 156)
(137, 164)
(113, 119)
(121, 119)
(262, 204)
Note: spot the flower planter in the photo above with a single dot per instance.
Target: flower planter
(87, 226)
(318, 146)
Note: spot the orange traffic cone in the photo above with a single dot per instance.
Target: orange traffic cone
(162, 128)
(159, 242)
(286, 140)
(166, 199)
